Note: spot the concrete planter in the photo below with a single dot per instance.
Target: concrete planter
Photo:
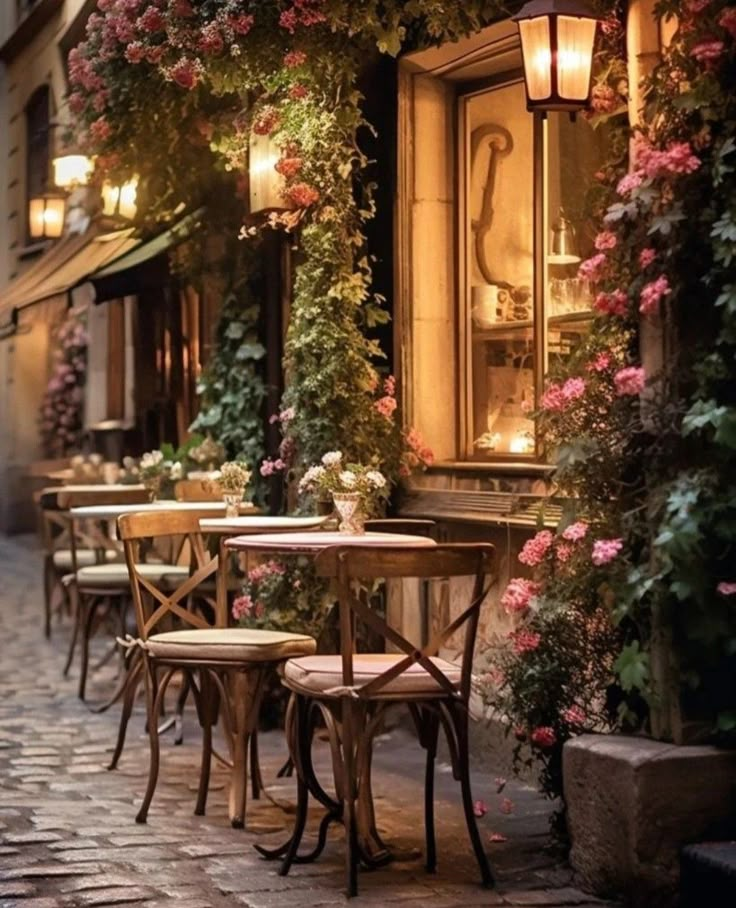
(633, 803)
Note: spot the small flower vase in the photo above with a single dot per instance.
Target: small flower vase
(232, 503)
(349, 507)
(152, 485)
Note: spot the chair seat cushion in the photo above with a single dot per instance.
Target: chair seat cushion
(321, 676)
(236, 644)
(85, 558)
(106, 576)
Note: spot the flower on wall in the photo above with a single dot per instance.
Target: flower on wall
(62, 407)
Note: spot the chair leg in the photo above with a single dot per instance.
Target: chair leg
(302, 738)
(155, 691)
(349, 787)
(431, 731)
(207, 718)
(88, 608)
(131, 688)
(76, 608)
(460, 721)
(48, 588)
(256, 779)
(179, 710)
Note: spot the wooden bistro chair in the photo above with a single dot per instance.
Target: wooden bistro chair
(352, 691)
(177, 635)
(197, 490)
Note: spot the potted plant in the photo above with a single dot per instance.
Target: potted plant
(356, 490)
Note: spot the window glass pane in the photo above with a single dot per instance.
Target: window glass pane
(574, 153)
(498, 233)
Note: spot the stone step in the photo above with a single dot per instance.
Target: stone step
(708, 875)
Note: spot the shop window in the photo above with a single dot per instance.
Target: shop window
(37, 143)
(523, 200)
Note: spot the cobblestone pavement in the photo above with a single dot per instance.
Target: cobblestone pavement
(68, 835)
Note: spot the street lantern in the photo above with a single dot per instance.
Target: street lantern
(72, 170)
(557, 41)
(46, 216)
(120, 200)
(266, 184)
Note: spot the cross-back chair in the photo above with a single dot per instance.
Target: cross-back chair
(175, 635)
(197, 490)
(96, 577)
(352, 691)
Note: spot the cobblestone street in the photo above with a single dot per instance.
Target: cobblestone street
(67, 830)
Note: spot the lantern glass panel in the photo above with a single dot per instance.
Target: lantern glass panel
(535, 46)
(127, 206)
(575, 39)
(72, 170)
(53, 217)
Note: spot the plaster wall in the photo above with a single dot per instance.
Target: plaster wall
(24, 357)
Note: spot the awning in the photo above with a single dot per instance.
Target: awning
(144, 266)
(65, 266)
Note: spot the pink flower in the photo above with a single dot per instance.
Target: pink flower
(573, 389)
(302, 195)
(708, 52)
(386, 406)
(563, 552)
(183, 9)
(241, 24)
(629, 380)
(553, 399)
(592, 269)
(519, 594)
(135, 52)
(544, 737)
(185, 72)
(151, 20)
(600, 363)
(100, 130)
(726, 588)
(629, 183)
(614, 303)
(606, 239)
(603, 98)
(506, 806)
(210, 39)
(574, 716)
(288, 167)
(727, 20)
(480, 809)
(495, 837)
(298, 92)
(524, 641)
(652, 293)
(677, 158)
(267, 121)
(646, 257)
(294, 58)
(242, 607)
(605, 550)
(536, 548)
(389, 385)
(576, 531)
(269, 467)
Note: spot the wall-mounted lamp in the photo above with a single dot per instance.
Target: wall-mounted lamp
(120, 201)
(72, 170)
(557, 43)
(266, 184)
(46, 216)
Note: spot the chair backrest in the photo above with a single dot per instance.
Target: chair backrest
(197, 490)
(352, 563)
(155, 604)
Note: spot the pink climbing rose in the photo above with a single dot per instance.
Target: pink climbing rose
(536, 548)
(605, 550)
(629, 380)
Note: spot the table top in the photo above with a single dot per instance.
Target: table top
(93, 487)
(258, 523)
(113, 511)
(296, 543)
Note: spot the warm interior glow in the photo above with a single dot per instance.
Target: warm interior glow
(72, 170)
(535, 48)
(46, 217)
(575, 39)
(120, 200)
(522, 443)
(265, 183)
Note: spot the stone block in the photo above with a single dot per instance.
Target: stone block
(633, 803)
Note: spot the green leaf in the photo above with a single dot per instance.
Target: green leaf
(632, 667)
(727, 721)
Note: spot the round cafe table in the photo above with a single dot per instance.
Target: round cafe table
(373, 847)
